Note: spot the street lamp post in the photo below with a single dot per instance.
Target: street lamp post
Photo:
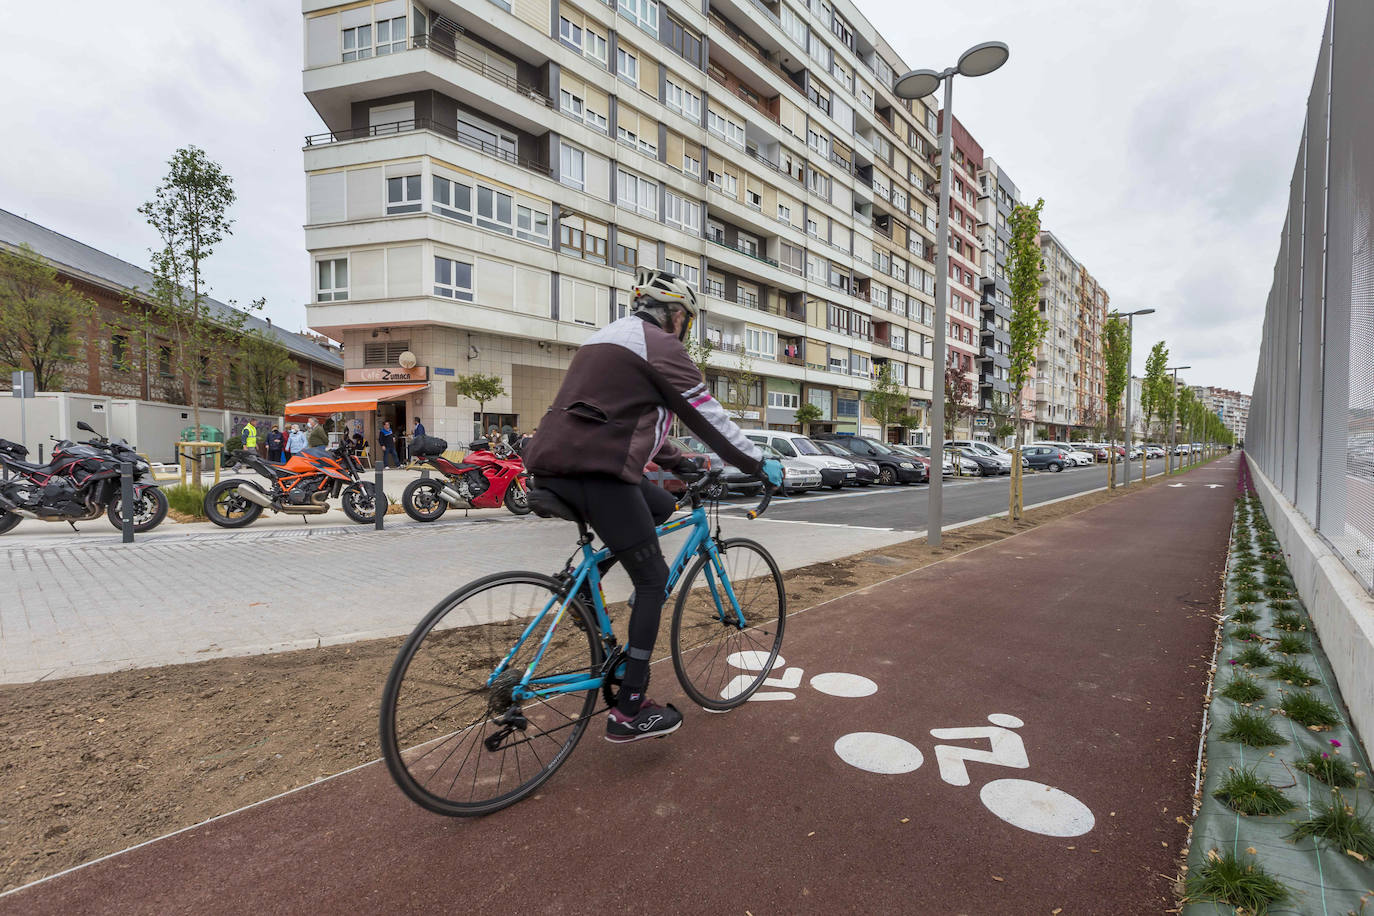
(978, 60)
(1130, 334)
(1173, 420)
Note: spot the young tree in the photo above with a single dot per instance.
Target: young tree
(700, 350)
(910, 421)
(38, 315)
(958, 390)
(1118, 377)
(265, 368)
(885, 400)
(480, 388)
(1027, 328)
(1153, 390)
(1003, 416)
(807, 414)
(189, 212)
(740, 382)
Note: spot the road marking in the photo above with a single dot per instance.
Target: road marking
(839, 684)
(879, 753)
(1212, 486)
(1174, 486)
(1036, 807)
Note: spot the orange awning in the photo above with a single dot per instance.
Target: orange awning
(349, 398)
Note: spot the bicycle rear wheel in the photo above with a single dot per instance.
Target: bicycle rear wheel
(458, 746)
(719, 662)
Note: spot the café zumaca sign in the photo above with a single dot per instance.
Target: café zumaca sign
(387, 374)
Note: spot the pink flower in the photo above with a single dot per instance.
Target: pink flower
(1325, 756)
(1233, 661)
(1335, 743)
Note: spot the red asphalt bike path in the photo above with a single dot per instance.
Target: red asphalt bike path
(1095, 632)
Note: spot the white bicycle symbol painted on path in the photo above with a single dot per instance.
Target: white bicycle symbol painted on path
(1023, 803)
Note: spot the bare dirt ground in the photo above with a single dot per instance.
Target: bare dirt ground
(92, 765)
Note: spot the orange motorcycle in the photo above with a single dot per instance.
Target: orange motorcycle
(303, 485)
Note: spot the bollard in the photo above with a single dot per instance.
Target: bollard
(378, 499)
(126, 498)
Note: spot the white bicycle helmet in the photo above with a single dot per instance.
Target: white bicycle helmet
(662, 290)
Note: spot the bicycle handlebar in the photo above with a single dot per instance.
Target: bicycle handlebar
(762, 507)
(695, 487)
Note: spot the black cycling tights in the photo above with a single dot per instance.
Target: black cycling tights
(624, 515)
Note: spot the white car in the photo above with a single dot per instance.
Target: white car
(835, 472)
(797, 476)
(1001, 456)
(1077, 457)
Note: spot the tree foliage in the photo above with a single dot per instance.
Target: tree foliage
(1156, 386)
(885, 399)
(40, 317)
(1114, 344)
(265, 368)
(480, 388)
(699, 349)
(958, 391)
(807, 414)
(1028, 326)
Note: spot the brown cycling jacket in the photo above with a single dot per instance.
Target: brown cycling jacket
(613, 411)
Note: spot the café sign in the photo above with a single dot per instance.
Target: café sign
(387, 374)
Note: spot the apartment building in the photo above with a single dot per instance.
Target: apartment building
(1232, 407)
(1055, 406)
(997, 196)
(962, 335)
(1089, 363)
(495, 170)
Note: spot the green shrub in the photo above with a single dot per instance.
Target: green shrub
(1226, 879)
(1252, 730)
(1245, 615)
(1307, 710)
(1244, 791)
(1330, 769)
(1254, 657)
(1247, 596)
(1294, 673)
(1340, 825)
(1289, 622)
(188, 499)
(1242, 689)
(1291, 644)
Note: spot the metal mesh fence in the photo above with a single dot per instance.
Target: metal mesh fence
(1311, 427)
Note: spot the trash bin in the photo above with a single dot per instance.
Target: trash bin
(206, 434)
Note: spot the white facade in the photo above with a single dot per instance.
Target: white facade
(494, 171)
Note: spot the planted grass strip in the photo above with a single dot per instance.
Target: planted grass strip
(1305, 709)
(1295, 674)
(1226, 879)
(1245, 791)
(1252, 730)
(1242, 689)
(1330, 769)
(1244, 580)
(1291, 644)
(1246, 634)
(1244, 615)
(1290, 622)
(1247, 596)
(1340, 825)
(1280, 606)
(1254, 657)
(1278, 593)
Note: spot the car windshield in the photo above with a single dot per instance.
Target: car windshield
(877, 446)
(693, 444)
(805, 446)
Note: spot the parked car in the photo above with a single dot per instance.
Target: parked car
(986, 448)
(893, 468)
(866, 470)
(733, 480)
(666, 480)
(967, 466)
(1182, 448)
(797, 476)
(1046, 457)
(835, 471)
(983, 465)
(1154, 451)
(923, 455)
(1074, 457)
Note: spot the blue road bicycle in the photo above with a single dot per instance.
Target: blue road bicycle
(491, 692)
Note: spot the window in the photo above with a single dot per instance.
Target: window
(357, 43)
(815, 268)
(626, 253)
(636, 193)
(487, 140)
(571, 167)
(594, 45)
(725, 128)
(715, 231)
(784, 400)
(682, 100)
(818, 183)
(452, 279)
(715, 287)
(627, 65)
(570, 103)
(692, 275)
(532, 225)
(813, 229)
(784, 213)
(818, 142)
(332, 280)
(678, 211)
(570, 240)
(723, 181)
(793, 25)
(569, 34)
(119, 352)
(878, 293)
(791, 258)
(493, 210)
(452, 199)
(403, 194)
(683, 41)
(753, 199)
(898, 338)
(391, 35)
(691, 165)
(758, 342)
(643, 13)
(822, 400)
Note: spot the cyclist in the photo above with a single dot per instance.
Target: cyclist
(610, 417)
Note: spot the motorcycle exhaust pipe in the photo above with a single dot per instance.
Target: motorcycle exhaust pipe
(452, 497)
(10, 505)
(253, 495)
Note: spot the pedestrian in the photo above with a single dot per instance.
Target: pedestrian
(317, 436)
(275, 441)
(493, 435)
(418, 431)
(387, 439)
(295, 442)
(512, 437)
(250, 436)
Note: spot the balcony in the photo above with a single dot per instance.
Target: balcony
(438, 45)
(766, 106)
(742, 250)
(426, 124)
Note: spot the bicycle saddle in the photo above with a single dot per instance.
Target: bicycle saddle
(548, 504)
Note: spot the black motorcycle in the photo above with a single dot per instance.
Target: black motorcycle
(78, 483)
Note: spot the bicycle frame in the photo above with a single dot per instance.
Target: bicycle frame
(531, 687)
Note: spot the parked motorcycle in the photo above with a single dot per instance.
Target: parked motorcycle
(491, 475)
(78, 483)
(303, 485)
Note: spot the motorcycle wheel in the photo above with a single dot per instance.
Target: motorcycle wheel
(516, 500)
(422, 501)
(149, 510)
(360, 503)
(7, 520)
(226, 508)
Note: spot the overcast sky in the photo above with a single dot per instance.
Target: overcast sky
(1162, 136)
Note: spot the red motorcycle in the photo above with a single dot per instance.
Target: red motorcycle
(491, 475)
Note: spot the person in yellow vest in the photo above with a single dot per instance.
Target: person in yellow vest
(250, 436)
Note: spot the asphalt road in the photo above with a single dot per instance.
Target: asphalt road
(904, 508)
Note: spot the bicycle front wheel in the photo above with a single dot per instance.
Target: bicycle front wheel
(459, 742)
(723, 649)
